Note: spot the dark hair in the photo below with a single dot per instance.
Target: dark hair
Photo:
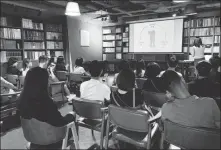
(123, 65)
(35, 92)
(197, 42)
(140, 65)
(60, 60)
(126, 80)
(215, 62)
(172, 62)
(95, 68)
(25, 63)
(51, 60)
(42, 59)
(168, 77)
(11, 61)
(203, 68)
(152, 70)
(79, 62)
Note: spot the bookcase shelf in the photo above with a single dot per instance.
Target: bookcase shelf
(32, 37)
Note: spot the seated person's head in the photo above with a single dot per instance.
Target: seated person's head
(26, 63)
(123, 65)
(95, 69)
(172, 62)
(43, 61)
(152, 70)
(126, 80)
(215, 62)
(140, 64)
(79, 62)
(12, 62)
(173, 84)
(203, 68)
(60, 60)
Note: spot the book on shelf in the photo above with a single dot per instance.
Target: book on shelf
(108, 37)
(104, 56)
(118, 43)
(217, 39)
(125, 34)
(202, 22)
(3, 21)
(53, 36)
(217, 30)
(205, 40)
(109, 44)
(126, 29)
(16, 54)
(8, 44)
(10, 21)
(33, 55)
(33, 35)
(118, 30)
(9, 33)
(118, 37)
(217, 21)
(54, 45)
(125, 39)
(106, 31)
(118, 49)
(54, 27)
(29, 24)
(3, 56)
(125, 49)
(201, 32)
(118, 56)
(109, 50)
(34, 45)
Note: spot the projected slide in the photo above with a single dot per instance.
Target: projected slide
(154, 37)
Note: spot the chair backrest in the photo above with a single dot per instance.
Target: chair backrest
(129, 119)
(21, 81)
(56, 87)
(12, 78)
(140, 82)
(41, 133)
(154, 99)
(191, 138)
(75, 77)
(61, 75)
(89, 109)
(12, 97)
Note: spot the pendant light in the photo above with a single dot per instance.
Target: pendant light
(72, 9)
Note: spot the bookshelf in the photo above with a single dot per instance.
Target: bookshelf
(207, 28)
(28, 38)
(115, 41)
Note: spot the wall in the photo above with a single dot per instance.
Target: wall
(94, 51)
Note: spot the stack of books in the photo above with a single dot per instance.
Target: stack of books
(29, 24)
(9, 33)
(33, 35)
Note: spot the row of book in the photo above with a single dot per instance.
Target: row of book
(9, 33)
(217, 39)
(207, 50)
(8, 44)
(118, 56)
(125, 39)
(125, 34)
(53, 36)
(118, 49)
(12, 22)
(34, 45)
(54, 27)
(28, 23)
(118, 43)
(33, 35)
(118, 30)
(109, 37)
(109, 44)
(125, 49)
(109, 50)
(54, 45)
(118, 37)
(107, 31)
(199, 32)
(202, 22)
(33, 55)
(5, 55)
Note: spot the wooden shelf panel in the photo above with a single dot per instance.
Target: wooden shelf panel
(33, 29)
(10, 27)
(10, 49)
(9, 39)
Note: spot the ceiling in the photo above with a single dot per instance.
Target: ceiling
(120, 9)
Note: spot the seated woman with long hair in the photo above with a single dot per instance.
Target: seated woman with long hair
(26, 65)
(60, 65)
(78, 68)
(35, 102)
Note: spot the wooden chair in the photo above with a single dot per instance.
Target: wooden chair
(91, 116)
(126, 126)
(187, 137)
(42, 133)
(62, 75)
(57, 92)
(140, 82)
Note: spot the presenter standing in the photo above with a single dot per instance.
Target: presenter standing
(198, 50)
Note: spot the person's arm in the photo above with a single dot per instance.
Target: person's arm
(107, 94)
(7, 84)
(216, 114)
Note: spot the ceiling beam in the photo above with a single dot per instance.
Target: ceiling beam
(116, 9)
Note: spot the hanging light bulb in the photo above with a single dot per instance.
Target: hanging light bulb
(72, 9)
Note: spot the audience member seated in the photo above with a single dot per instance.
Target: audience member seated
(60, 65)
(7, 87)
(121, 66)
(184, 108)
(13, 66)
(203, 86)
(35, 102)
(172, 65)
(214, 73)
(124, 95)
(94, 89)
(139, 72)
(26, 65)
(78, 68)
(153, 82)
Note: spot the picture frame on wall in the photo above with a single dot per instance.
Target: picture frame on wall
(85, 38)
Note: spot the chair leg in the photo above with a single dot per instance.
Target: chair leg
(162, 141)
(93, 137)
(107, 134)
(74, 132)
(149, 136)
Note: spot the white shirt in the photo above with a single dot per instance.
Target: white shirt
(95, 90)
(79, 70)
(198, 52)
(142, 73)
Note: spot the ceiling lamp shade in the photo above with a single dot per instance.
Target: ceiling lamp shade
(190, 10)
(72, 9)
